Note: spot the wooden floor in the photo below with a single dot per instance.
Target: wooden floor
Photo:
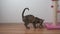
(20, 29)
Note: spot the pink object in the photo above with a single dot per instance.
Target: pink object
(58, 11)
(51, 26)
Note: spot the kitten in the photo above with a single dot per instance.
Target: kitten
(27, 19)
(31, 19)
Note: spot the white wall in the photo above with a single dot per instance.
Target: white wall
(11, 10)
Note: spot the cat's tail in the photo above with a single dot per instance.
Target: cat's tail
(24, 11)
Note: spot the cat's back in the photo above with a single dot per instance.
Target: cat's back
(30, 18)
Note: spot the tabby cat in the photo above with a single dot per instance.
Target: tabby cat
(31, 19)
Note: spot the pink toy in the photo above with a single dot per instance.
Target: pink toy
(51, 26)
